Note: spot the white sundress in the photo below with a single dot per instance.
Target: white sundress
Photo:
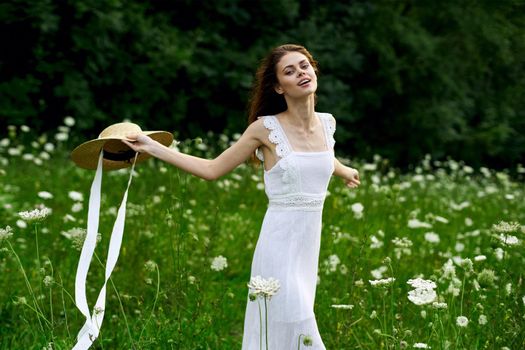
(289, 241)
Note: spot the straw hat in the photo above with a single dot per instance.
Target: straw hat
(117, 155)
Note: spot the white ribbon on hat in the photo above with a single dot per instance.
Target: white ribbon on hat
(91, 328)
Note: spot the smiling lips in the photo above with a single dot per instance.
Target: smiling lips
(304, 82)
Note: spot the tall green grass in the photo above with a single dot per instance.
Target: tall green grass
(163, 293)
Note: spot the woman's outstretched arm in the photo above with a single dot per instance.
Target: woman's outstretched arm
(348, 174)
(208, 169)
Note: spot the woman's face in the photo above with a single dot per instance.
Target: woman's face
(295, 75)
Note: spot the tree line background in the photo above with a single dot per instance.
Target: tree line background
(403, 78)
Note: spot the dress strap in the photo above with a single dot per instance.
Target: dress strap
(329, 128)
(277, 136)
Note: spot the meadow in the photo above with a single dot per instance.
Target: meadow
(427, 258)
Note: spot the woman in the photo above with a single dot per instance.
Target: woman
(295, 143)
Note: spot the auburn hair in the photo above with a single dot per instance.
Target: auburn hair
(264, 100)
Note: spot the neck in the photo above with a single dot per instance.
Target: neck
(301, 112)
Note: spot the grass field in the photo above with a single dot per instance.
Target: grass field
(457, 229)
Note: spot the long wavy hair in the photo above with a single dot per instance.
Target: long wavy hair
(264, 100)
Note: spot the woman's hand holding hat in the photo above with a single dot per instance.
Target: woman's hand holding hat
(140, 143)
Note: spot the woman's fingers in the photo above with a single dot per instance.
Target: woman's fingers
(130, 145)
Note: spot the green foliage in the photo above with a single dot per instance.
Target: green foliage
(164, 295)
(403, 78)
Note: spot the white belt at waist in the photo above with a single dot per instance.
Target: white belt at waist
(298, 201)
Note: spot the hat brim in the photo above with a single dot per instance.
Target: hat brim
(117, 155)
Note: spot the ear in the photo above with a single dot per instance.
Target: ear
(279, 89)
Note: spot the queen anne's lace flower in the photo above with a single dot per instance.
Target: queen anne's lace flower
(76, 196)
(342, 306)
(506, 227)
(462, 321)
(264, 287)
(415, 223)
(77, 236)
(219, 263)
(36, 214)
(423, 293)
(6, 233)
(508, 239)
(150, 265)
(422, 296)
(385, 282)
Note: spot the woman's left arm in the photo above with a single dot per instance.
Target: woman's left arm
(349, 175)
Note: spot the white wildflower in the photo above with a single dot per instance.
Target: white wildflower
(21, 223)
(462, 321)
(441, 219)
(422, 296)
(61, 136)
(449, 270)
(150, 265)
(506, 227)
(403, 242)
(358, 208)
(432, 237)
(439, 306)
(382, 282)
(498, 252)
(342, 306)
(468, 222)
(6, 233)
(48, 281)
(77, 236)
(459, 206)
(482, 320)
(45, 195)
(264, 287)
(376, 243)
(69, 121)
(76, 196)
(78, 206)
(219, 263)
(508, 288)
(14, 151)
(466, 264)
(423, 293)
(459, 247)
(36, 214)
(378, 273)
(369, 166)
(415, 223)
(421, 346)
(509, 240)
(332, 262)
(421, 283)
(480, 258)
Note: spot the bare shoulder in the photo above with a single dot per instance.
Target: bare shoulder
(257, 130)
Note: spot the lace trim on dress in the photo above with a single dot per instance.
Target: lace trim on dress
(329, 128)
(276, 136)
(298, 201)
